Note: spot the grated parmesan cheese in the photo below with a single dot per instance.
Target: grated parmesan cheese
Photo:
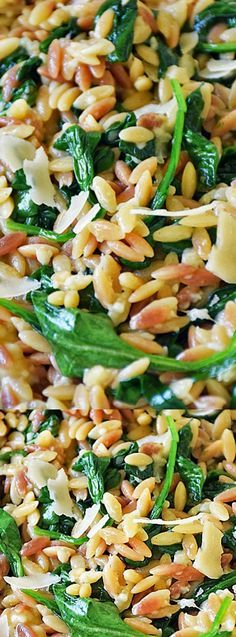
(201, 314)
(4, 628)
(39, 472)
(98, 526)
(66, 217)
(186, 212)
(13, 151)
(59, 493)
(161, 522)
(208, 558)
(82, 525)
(33, 581)
(85, 219)
(37, 176)
(14, 286)
(160, 109)
(222, 258)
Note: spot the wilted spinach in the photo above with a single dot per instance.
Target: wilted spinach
(51, 423)
(122, 31)
(94, 468)
(227, 166)
(19, 55)
(220, 11)
(49, 519)
(217, 299)
(25, 210)
(70, 28)
(193, 478)
(202, 592)
(149, 387)
(201, 150)
(10, 542)
(111, 135)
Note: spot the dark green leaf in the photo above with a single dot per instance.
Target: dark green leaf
(10, 542)
(51, 423)
(89, 617)
(136, 475)
(18, 310)
(43, 599)
(94, 468)
(44, 274)
(111, 134)
(80, 338)
(16, 57)
(217, 300)
(167, 57)
(7, 455)
(88, 300)
(118, 460)
(69, 28)
(112, 479)
(193, 478)
(220, 11)
(185, 439)
(227, 166)
(213, 487)
(229, 537)
(203, 591)
(104, 159)
(29, 68)
(80, 145)
(195, 104)
(149, 387)
(49, 519)
(122, 29)
(204, 156)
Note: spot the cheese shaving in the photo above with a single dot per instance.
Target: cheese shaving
(59, 493)
(208, 558)
(66, 217)
(222, 258)
(37, 176)
(39, 472)
(85, 219)
(33, 581)
(162, 212)
(13, 151)
(14, 286)
(98, 526)
(4, 628)
(161, 522)
(160, 109)
(81, 526)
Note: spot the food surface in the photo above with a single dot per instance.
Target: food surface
(118, 204)
(107, 531)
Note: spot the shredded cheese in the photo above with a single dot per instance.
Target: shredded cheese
(66, 217)
(39, 472)
(59, 493)
(98, 526)
(208, 558)
(161, 522)
(222, 258)
(81, 526)
(14, 286)
(162, 212)
(37, 176)
(13, 151)
(33, 581)
(4, 628)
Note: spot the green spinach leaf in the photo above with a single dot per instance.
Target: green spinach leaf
(111, 135)
(70, 28)
(185, 439)
(56, 535)
(202, 592)
(203, 22)
(19, 55)
(10, 542)
(217, 300)
(227, 166)
(229, 537)
(167, 57)
(51, 423)
(149, 387)
(122, 31)
(193, 478)
(81, 146)
(49, 519)
(94, 468)
(204, 156)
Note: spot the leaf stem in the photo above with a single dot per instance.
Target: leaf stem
(39, 232)
(55, 535)
(162, 189)
(158, 506)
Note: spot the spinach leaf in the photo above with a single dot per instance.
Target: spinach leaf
(194, 104)
(162, 190)
(80, 145)
(49, 519)
(21, 311)
(19, 55)
(229, 537)
(88, 300)
(203, 21)
(227, 165)
(42, 598)
(213, 487)
(70, 28)
(193, 478)
(89, 617)
(28, 69)
(112, 479)
(94, 468)
(27, 91)
(80, 338)
(202, 592)
(51, 423)
(122, 29)
(111, 135)
(25, 210)
(185, 439)
(204, 156)
(133, 153)
(217, 300)
(118, 460)
(63, 571)
(55, 535)
(7, 455)
(103, 159)
(10, 542)
(44, 274)
(36, 231)
(149, 387)
(167, 57)
(158, 505)
(135, 475)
